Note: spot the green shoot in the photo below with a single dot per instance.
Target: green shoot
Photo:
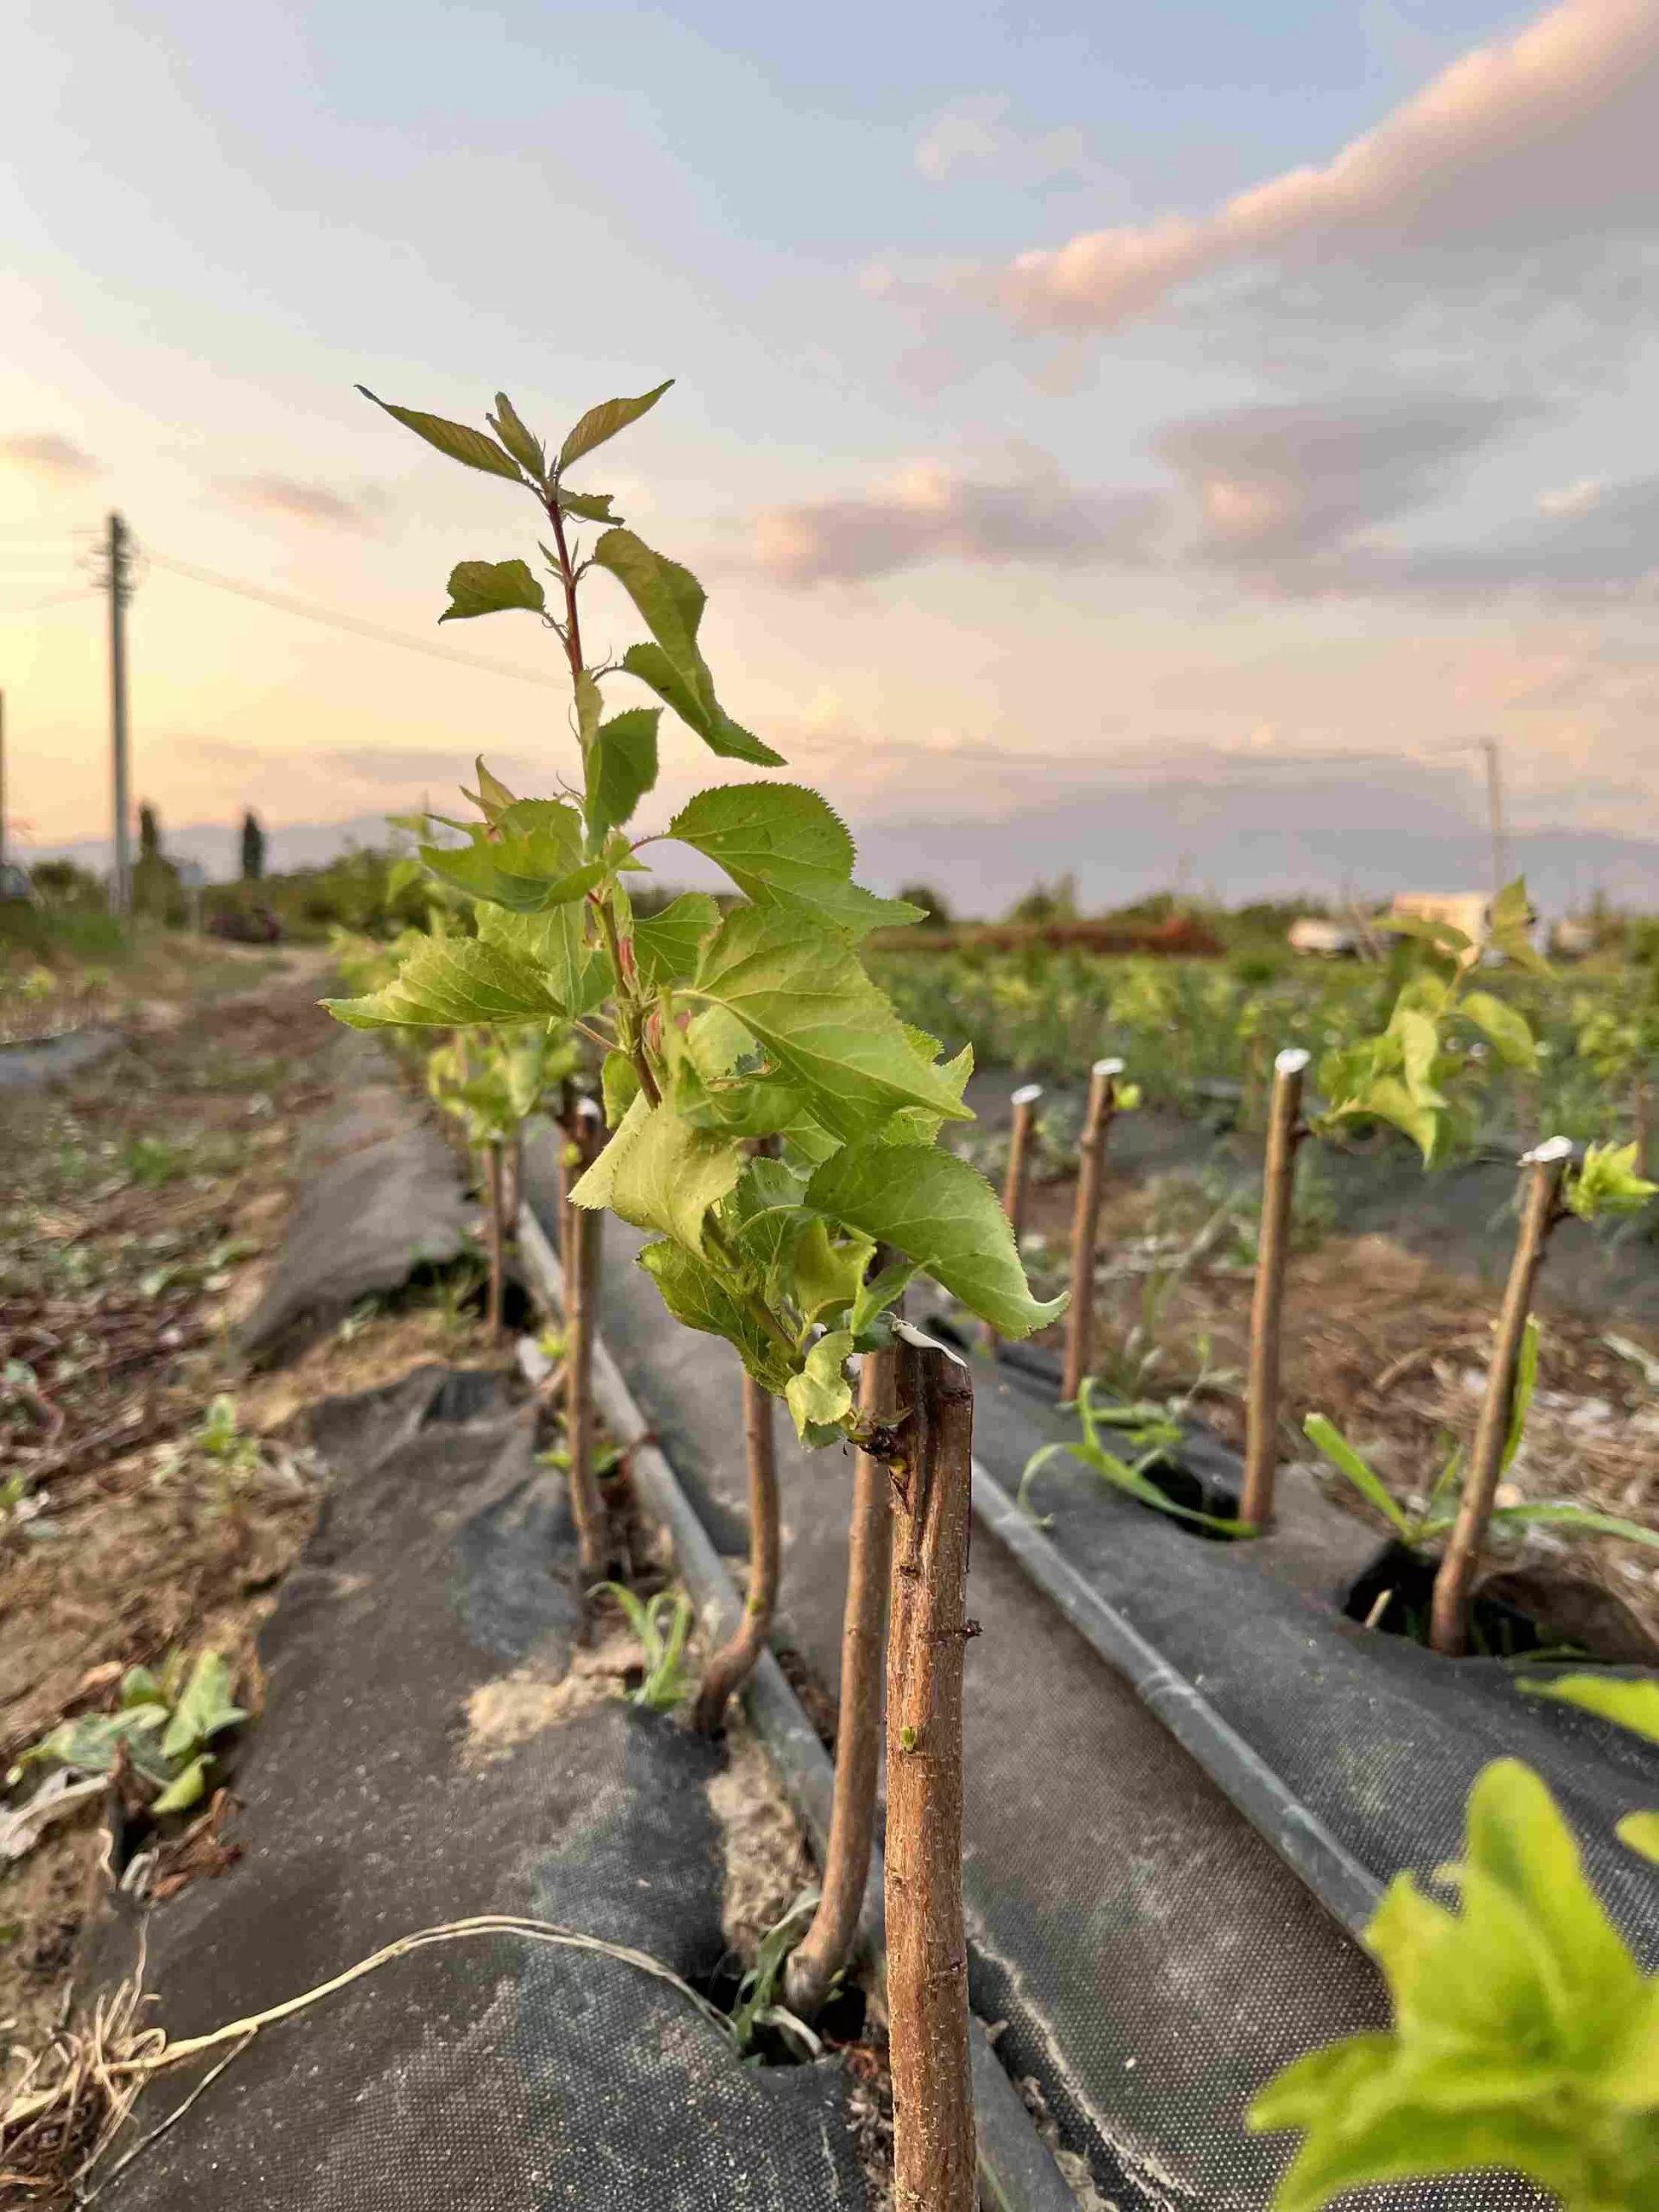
(661, 1628)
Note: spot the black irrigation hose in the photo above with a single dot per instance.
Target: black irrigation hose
(1016, 2172)
(1336, 1877)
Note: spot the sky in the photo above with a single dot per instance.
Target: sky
(1070, 400)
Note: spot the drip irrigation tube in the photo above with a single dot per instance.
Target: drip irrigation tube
(1016, 2172)
(1336, 1877)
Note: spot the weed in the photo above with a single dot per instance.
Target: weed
(160, 1731)
(661, 1626)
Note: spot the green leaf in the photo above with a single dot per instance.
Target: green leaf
(881, 1291)
(619, 1081)
(912, 1124)
(1545, 1515)
(694, 1293)
(1633, 1705)
(1389, 1100)
(783, 845)
(1640, 1831)
(1420, 1046)
(603, 422)
(666, 1175)
(671, 601)
(532, 863)
(943, 1214)
(470, 447)
(665, 945)
(621, 768)
(820, 1397)
(205, 1709)
(1507, 1031)
(691, 697)
(492, 798)
(577, 974)
(490, 587)
(1370, 1484)
(185, 1790)
(527, 450)
(1526, 1384)
(803, 994)
(825, 1274)
(588, 506)
(1508, 925)
(1607, 1183)
(1442, 936)
(448, 985)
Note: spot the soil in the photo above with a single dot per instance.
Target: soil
(1390, 1343)
(139, 1203)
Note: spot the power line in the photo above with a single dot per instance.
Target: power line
(349, 623)
(57, 598)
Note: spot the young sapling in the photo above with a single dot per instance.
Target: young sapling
(1016, 1177)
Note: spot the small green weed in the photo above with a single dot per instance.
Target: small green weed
(662, 1627)
(165, 1723)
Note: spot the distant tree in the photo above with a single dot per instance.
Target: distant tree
(156, 887)
(1055, 902)
(66, 884)
(931, 902)
(253, 847)
(150, 833)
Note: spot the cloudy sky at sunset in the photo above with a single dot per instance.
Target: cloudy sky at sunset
(1068, 394)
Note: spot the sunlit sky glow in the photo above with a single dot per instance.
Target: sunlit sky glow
(1065, 393)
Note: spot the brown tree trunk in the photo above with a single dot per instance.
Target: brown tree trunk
(1449, 1623)
(1085, 1224)
(927, 1949)
(580, 1261)
(1267, 1306)
(828, 1943)
(731, 1666)
(1024, 1102)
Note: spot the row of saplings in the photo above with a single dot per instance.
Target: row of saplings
(773, 1125)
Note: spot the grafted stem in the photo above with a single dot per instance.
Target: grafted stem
(1449, 1621)
(927, 1947)
(1085, 1224)
(828, 1944)
(581, 1260)
(1285, 1133)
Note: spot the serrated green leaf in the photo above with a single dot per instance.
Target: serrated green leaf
(604, 421)
(588, 506)
(1507, 926)
(1335, 1448)
(671, 600)
(1632, 1704)
(525, 449)
(490, 587)
(621, 768)
(665, 945)
(911, 1124)
(881, 1291)
(1506, 1030)
(449, 985)
(1420, 1046)
(783, 845)
(668, 1175)
(694, 1293)
(618, 1081)
(1640, 1831)
(469, 446)
(532, 863)
(820, 1397)
(805, 997)
(825, 1273)
(577, 974)
(1389, 1100)
(595, 1188)
(205, 1709)
(692, 699)
(942, 1213)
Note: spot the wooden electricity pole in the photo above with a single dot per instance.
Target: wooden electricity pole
(119, 585)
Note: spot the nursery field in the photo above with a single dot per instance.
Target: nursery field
(662, 1556)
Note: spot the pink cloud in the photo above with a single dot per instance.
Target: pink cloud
(49, 455)
(1527, 140)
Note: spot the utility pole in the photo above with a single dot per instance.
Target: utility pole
(119, 585)
(1494, 804)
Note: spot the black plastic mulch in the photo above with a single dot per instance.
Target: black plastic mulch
(487, 2076)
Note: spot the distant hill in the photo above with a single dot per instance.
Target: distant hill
(1330, 836)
